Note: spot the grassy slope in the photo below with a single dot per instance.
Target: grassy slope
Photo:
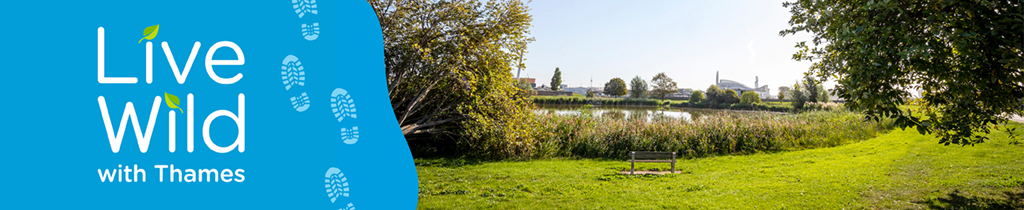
(900, 170)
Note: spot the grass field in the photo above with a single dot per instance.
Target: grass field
(897, 170)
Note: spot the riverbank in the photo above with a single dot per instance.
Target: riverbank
(897, 170)
(598, 101)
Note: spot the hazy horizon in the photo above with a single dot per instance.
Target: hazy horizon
(688, 40)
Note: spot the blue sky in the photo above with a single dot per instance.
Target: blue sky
(689, 40)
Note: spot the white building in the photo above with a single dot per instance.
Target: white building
(725, 84)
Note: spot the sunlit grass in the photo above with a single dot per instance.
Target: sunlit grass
(898, 170)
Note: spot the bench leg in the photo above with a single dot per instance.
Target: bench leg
(632, 162)
(631, 165)
(673, 162)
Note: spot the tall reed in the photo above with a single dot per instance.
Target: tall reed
(585, 135)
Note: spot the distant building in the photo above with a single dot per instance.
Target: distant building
(583, 90)
(725, 84)
(532, 81)
(683, 92)
(576, 90)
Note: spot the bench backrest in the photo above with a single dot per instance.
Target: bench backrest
(647, 155)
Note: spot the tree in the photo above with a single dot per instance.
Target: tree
(638, 87)
(712, 94)
(750, 97)
(615, 87)
(525, 86)
(696, 97)
(730, 96)
(822, 93)
(811, 86)
(967, 55)
(663, 86)
(448, 68)
(556, 80)
(798, 96)
(783, 90)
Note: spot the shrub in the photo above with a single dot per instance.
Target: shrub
(827, 106)
(823, 95)
(712, 94)
(742, 106)
(798, 97)
(750, 97)
(696, 96)
(522, 85)
(730, 97)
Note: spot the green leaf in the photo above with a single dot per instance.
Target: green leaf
(150, 32)
(173, 102)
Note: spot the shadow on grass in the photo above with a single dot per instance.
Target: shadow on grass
(447, 162)
(617, 176)
(957, 200)
(459, 161)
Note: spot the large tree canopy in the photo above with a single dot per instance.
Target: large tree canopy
(966, 55)
(638, 88)
(615, 87)
(449, 65)
(663, 86)
(714, 94)
(556, 80)
(811, 86)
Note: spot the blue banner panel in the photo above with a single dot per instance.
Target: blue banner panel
(198, 105)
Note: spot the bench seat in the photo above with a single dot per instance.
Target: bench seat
(654, 161)
(651, 157)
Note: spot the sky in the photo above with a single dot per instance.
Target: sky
(688, 40)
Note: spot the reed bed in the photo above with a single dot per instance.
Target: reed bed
(584, 135)
(773, 107)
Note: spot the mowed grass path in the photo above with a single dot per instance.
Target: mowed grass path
(898, 170)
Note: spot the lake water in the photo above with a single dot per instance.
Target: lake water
(633, 112)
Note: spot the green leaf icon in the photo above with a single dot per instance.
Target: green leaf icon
(173, 102)
(150, 32)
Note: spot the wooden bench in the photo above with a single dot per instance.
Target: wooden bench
(655, 157)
